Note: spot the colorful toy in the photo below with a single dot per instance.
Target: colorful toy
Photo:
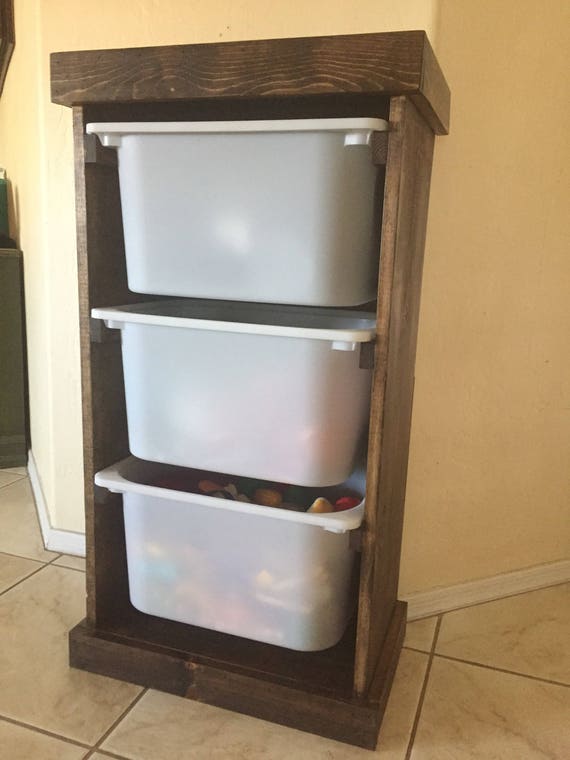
(321, 506)
(346, 502)
(261, 492)
(231, 490)
(267, 497)
(208, 486)
(248, 486)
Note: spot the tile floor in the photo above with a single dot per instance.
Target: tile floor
(488, 683)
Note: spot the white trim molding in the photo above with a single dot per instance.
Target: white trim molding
(435, 601)
(55, 540)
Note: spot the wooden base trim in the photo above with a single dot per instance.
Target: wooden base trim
(352, 721)
(55, 540)
(435, 601)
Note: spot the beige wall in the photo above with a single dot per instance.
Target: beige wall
(21, 152)
(487, 485)
(489, 477)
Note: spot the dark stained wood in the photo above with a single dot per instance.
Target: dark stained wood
(333, 105)
(95, 153)
(380, 147)
(102, 334)
(345, 719)
(341, 692)
(85, 353)
(366, 359)
(329, 672)
(102, 281)
(383, 675)
(408, 172)
(434, 97)
(386, 64)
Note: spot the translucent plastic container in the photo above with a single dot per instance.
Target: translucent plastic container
(269, 574)
(273, 211)
(258, 391)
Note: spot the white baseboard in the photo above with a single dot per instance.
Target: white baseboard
(435, 601)
(62, 541)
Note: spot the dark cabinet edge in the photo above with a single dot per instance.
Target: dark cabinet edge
(355, 721)
(383, 64)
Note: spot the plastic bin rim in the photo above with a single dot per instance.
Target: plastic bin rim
(115, 479)
(118, 317)
(123, 128)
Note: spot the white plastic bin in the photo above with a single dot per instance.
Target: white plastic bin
(273, 211)
(258, 391)
(263, 573)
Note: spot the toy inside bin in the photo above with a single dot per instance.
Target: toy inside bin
(273, 575)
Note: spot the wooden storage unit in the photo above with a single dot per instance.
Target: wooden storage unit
(341, 692)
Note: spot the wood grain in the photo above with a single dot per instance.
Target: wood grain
(328, 672)
(341, 692)
(102, 281)
(404, 220)
(386, 64)
(348, 719)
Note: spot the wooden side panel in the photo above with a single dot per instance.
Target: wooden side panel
(171, 671)
(344, 719)
(408, 170)
(389, 63)
(102, 281)
(328, 672)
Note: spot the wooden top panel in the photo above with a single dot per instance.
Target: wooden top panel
(384, 64)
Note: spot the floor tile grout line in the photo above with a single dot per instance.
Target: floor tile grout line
(416, 649)
(419, 708)
(44, 731)
(25, 578)
(66, 567)
(34, 572)
(21, 556)
(17, 480)
(97, 750)
(116, 723)
(104, 752)
(502, 670)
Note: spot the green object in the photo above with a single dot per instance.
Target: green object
(3, 203)
(13, 392)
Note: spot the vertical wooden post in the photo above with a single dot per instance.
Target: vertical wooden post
(102, 280)
(406, 194)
